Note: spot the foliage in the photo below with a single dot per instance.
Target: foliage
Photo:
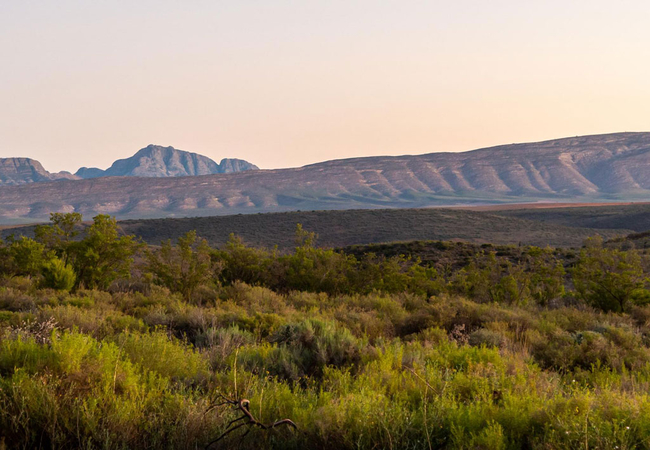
(184, 267)
(98, 257)
(610, 279)
(103, 256)
(489, 279)
(58, 275)
(243, 263)
(547, 275)
(491, 349)
(61, 233)
(526, 377)
(342, 228)
(26, 256)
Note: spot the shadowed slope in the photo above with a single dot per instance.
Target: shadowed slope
(342, 228)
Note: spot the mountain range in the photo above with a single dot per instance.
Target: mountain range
(15, 171)
(152, 161)
(612, 167)
(156, 161)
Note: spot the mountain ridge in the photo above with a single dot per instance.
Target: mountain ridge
(157, 161)
(20, 170)
(151, 161)
(612, 167)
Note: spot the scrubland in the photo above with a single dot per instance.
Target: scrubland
(106, 343)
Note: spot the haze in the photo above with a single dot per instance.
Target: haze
(286, 83)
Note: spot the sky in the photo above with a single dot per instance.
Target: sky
(288, 83)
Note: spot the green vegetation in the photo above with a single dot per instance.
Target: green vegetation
(107, 344)
(183, 268)
(634, 217)
(352, 227)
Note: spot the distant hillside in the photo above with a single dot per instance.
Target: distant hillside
(17, 171)
(445, 255)
(640, 241)
(356, 227)
(590, 168)
(156, 161)
(632, 217)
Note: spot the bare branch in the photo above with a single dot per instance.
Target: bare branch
(243, 406)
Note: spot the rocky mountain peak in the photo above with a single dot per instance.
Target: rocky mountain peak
(156, 161)
(15, 171)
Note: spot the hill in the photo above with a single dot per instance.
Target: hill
(157, 161)
(632, 217)
(590, 168)
(354, 227)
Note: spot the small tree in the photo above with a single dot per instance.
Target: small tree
(610, 279)
(26, 256)
(315, 269)
(103, 256)
(546, 275)
(98, 258)
(60, 234)
(490, 279)
(184, 267)
(250, 265)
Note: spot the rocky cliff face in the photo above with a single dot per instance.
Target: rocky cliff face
(590, 168)
(16, 171)
(152, 161)
(155, 161)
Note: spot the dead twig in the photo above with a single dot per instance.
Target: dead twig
(243, 406)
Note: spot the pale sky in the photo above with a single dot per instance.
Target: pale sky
(287, 83)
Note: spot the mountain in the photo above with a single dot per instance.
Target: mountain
(156, 162)
(16, 171)
(89, 172)
(151, 161)
(589, 168)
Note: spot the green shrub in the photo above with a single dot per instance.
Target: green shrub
(166, 356)
(610, 279)
(488, 338)
(183, 268)
(27, 256)
(361, 352)
(58, 275)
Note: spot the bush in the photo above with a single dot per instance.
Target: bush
(361, 352)
(610, 279)
(183, 268)
(487, 338)
(163, 355)
(58, 275)
(26, 257)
